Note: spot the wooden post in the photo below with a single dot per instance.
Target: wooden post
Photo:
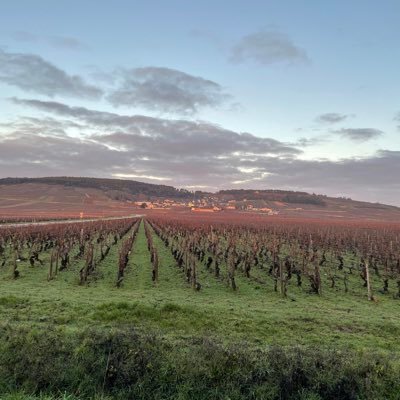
(57, 257)
(368, 281)
(50, 274)
(186, 259)
(194, 277)
(283, 291)
(15, 273)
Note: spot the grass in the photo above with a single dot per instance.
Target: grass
(254, 313)
(254, 318)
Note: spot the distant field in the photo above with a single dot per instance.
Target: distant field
(256, 318)
(41, 202)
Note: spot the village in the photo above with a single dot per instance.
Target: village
(205, 205)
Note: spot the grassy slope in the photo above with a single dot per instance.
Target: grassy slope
(254, 313)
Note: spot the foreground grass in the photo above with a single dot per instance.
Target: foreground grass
(126, 364)
(187, 341)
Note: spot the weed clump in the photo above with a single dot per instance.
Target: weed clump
(126, 364)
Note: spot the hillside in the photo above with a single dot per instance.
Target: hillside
(69, 196)
(273, 195)
(112, 187)
(307, 205)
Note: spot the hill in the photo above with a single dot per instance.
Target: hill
(68, 197)
(57, 197)
(308, 205)
(273, 195)
(112, 187)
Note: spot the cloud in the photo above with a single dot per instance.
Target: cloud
(158, 89)
(178, 150)
(32, 73)
(314, 141)
(22, 154)
(267, 47)
(359, 134)
(164, 136)
(166, 90)
(369, 178)
(66, 42)
(397, 118)
(332, 118)
(63, 42)
(23, 36)
(181, 153)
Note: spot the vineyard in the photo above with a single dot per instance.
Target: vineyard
(275, 257)
(277, 283)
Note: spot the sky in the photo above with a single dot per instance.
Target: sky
(297, 95)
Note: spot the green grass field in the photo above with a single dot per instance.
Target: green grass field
(254, 316)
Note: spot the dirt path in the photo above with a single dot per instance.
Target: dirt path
(66, 221)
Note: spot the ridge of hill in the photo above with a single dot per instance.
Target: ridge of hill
(102, 196)
(111, 186)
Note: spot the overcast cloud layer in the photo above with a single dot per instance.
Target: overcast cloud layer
(178, 152)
